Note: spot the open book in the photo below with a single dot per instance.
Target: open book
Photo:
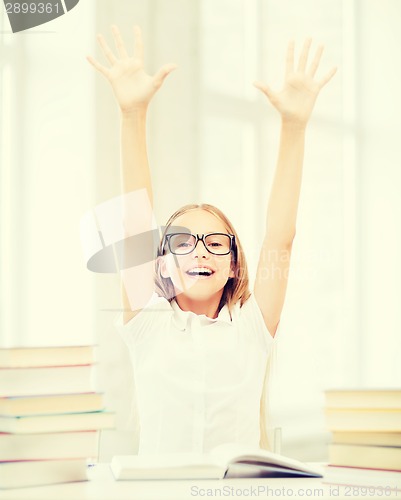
(225, 461)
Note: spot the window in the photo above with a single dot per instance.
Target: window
(47, 177)
(242, 42)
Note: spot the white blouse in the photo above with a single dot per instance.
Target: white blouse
(198, 380)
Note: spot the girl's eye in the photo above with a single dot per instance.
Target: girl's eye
(184, 244)
(215, 244)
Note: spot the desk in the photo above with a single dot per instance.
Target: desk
(102, 486)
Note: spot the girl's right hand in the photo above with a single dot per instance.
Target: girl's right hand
(132, 86)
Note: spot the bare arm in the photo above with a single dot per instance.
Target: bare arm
(295, 103)
(133, 89)
(135, 172)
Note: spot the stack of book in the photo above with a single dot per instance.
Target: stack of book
(366, 437)
(50, 415)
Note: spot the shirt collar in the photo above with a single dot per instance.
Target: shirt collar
(183, 318)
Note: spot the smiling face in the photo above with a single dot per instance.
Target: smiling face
(199, 275)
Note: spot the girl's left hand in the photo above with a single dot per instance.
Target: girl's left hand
(296, 100)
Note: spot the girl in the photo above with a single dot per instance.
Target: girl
(201, 345)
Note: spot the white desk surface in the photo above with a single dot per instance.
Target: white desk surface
(102, 486)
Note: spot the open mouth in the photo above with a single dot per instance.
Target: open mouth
(200, 271)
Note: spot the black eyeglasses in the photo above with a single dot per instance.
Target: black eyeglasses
(185, 243)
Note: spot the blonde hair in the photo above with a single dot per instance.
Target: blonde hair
(235, 290)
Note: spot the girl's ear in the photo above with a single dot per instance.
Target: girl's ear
(232, 271)
(163, 266)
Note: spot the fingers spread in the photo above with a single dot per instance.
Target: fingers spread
(98, 66)
(138, 46)
(316, 61)
(289, 67)
(327, 77)
(303, 59)
(106, 49)
(119, 42)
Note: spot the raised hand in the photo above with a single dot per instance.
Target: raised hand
(132, 86)
(296, 100)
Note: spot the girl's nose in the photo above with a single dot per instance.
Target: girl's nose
(200, 249)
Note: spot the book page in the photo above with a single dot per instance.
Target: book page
(232, 453)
